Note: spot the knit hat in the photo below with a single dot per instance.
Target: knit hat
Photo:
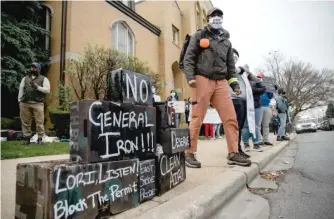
(212, 10)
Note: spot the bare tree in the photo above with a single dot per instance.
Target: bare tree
(305, 86)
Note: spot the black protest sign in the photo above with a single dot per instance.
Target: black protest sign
(174, 140)
(171, 171)
(111, 131)
(165, 116)
(129, 87)
(62, 189)
(147, 180)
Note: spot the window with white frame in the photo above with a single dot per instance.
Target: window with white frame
(122, 38)
(175, 35)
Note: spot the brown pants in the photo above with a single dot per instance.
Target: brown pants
(216, 92)
(27, 112)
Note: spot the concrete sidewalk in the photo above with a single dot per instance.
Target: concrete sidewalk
(214, 171)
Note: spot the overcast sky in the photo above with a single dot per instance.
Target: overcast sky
(300, 29)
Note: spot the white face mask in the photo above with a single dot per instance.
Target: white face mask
(172, 94)
(216, 22)
(153, 90)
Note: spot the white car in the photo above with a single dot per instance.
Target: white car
(306, 127)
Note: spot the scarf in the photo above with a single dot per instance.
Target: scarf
(250, 105)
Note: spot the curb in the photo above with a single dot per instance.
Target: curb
(204, 200)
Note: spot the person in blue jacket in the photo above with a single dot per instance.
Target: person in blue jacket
(267, 115)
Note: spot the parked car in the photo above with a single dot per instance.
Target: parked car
(306, 127)
(325, 126)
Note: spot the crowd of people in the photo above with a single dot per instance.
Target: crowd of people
(225, 94)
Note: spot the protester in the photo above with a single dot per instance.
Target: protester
(174, 97)
(267, 114)
(216, 129)
(208, 124)
(187, 110)
(209, 68)
(242, 106)
(258, 90)
(32, 91)
(282, 109)
(276, 124)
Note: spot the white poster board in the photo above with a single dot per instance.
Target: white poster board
(178, 106)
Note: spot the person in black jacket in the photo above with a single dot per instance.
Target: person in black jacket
(258, 90)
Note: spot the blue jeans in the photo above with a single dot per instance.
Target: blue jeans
(216, 129)
(281, 130)
(258, 121)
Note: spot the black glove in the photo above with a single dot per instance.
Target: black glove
(242, 70)
(235, 86)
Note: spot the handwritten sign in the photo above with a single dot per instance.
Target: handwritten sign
(147, 180)
(129, 87)
(178, 106)
(171, 171)
(111, 131)
(82, 191)
(174, 140)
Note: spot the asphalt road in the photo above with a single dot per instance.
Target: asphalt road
(307, 190)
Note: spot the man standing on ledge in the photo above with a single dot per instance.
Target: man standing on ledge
(33, 89)
(210, 70)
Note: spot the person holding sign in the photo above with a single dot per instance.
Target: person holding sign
(207, 62)
(173, 98)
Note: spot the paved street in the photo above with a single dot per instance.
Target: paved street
(307, 191)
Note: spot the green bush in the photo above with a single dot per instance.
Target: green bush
(6, 123)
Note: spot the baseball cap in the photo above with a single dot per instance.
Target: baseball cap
(36, 64)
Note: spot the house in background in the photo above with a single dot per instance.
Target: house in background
(151, 30)
(175, 19)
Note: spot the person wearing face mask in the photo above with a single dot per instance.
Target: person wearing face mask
(156, 98)
(243, 103)
(209, 67)
(32, 91)
(174, 97)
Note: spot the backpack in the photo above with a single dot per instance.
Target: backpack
(186, 44)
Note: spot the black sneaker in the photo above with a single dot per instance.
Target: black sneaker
(279, 138)
(285, 138)
(39, 141)
(26, 141)
(261, 143)
(257, 148)
(247, 147)
(244, 154)
(192, 162)
(268, 144)
(238, 159)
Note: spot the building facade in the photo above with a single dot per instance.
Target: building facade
(151, 30)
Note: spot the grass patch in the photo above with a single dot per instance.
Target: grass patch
(15, 149)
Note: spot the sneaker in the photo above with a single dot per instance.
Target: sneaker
(238, 159)
(247, 147)
(257, 148)
(261, 143)
(192, 162)
(279, 138)
(268, 144)
(26, 141)
(286, 138)
(220, 137)
(244, 154)
(39, 141)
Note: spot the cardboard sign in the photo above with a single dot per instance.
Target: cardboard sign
(147, 180)
(103, 130)
(60, 189)
(171, 171)
(174, 140)
(129, 87)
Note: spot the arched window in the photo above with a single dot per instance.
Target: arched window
(122, 37)
(45, 23)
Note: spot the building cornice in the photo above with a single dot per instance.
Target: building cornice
(135, 16)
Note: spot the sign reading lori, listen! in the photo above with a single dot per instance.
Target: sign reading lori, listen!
(111, 131)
